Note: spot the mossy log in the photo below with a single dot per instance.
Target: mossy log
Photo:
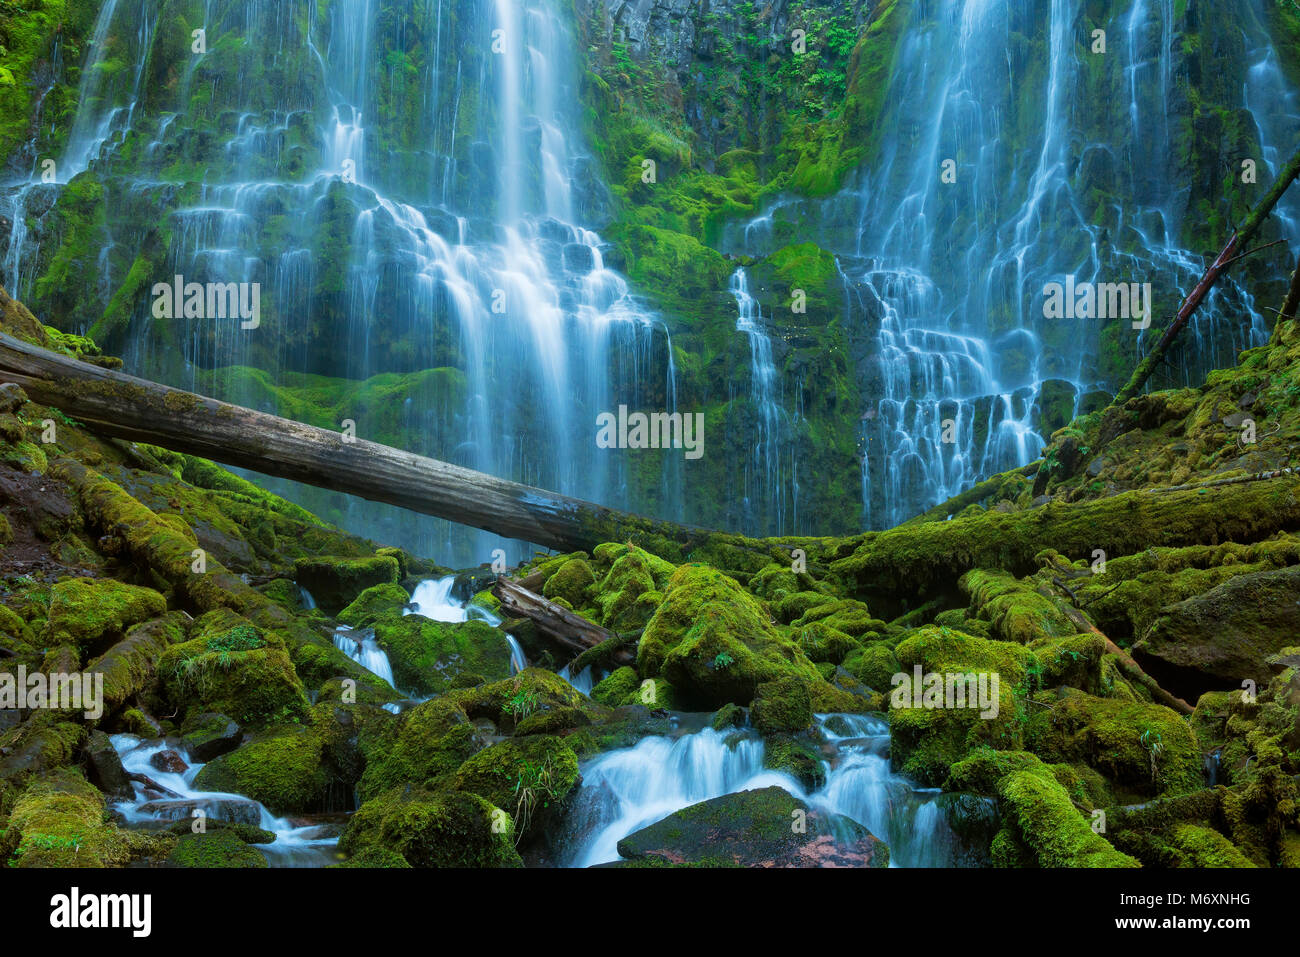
(555, 621)
(929, 558)
(126, 407)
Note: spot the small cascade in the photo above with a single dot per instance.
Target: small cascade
(765, 492)
(294, 846)
(584, 680)
(362, 648)
(305, 596)
(432, 599)
(518, 660)
(628, 789)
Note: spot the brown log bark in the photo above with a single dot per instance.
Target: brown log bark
(123, 406)
(555, 621)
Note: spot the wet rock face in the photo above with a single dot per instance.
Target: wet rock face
(169, 761)
(767, 827)
(1227, 633)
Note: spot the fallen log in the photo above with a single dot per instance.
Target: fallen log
(555, 621)
(123, 406)
(1229, 254)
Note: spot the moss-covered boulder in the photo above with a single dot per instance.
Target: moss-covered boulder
(781, 706)
(94, 613)
(616, 687)
(846, 615)
(874, 666)
(955, 692)
(220, 848)
(1042, 828)
(1229, 631)
(432, 828)
(427, 655)
(822, 643)
(1145, 749)
(796, 756)
(59, 821)
(767, 827)
(421, 744)
(129, 666)
(209, 735)
(282, 768)
(378, 601)
(715, 643)
(336, 582)
(532, 778)
(1016, 610)
(237, 672)
(571, 582)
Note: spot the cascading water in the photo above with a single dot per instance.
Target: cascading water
(628, 789)
(992, 176)
(480, 274)
(766, 503)
(362, 648)
(294, 845)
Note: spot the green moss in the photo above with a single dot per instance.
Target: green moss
(1144, 748)
(429, 828)
(281, 768)
(1038, 812)
(59, 821)
(616, 687)
(714, 642)
(87, 612)
(781, 706)
(336, 582)
(530, 777)
(374, 603)
(429, 740)
(221, 848)
(427, 655)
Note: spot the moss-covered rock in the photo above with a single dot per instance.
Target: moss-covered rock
(378, 601)
(532, 778)
(874, 666)
(1146, 749)
(1227, 632)
(220, 848)
(234, 673)
(767, 827)
(714, 642)
(59, 821)
(571, 582)
(617, 687)
(282, 768)
(822, 643)
(781, 706)
(432, 828)
(427, 655)
(130, 665)
(796, 756)
(1039, 818)
(93, 613)
(336, 582)
(424, 743)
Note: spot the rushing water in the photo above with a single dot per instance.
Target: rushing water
(625, 790)
(294, 845)
(1065, 163)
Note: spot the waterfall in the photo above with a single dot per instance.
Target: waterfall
(362, 648)
(765, 493)
(1008, 155)
(294, 845)
(625, 790)
(482, 275)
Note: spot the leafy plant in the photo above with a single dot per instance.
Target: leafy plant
(723, 660)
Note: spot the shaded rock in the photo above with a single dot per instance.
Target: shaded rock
(104, 767)
(1228, 632)
(169, 761)
(767, 827)
(209, 735)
